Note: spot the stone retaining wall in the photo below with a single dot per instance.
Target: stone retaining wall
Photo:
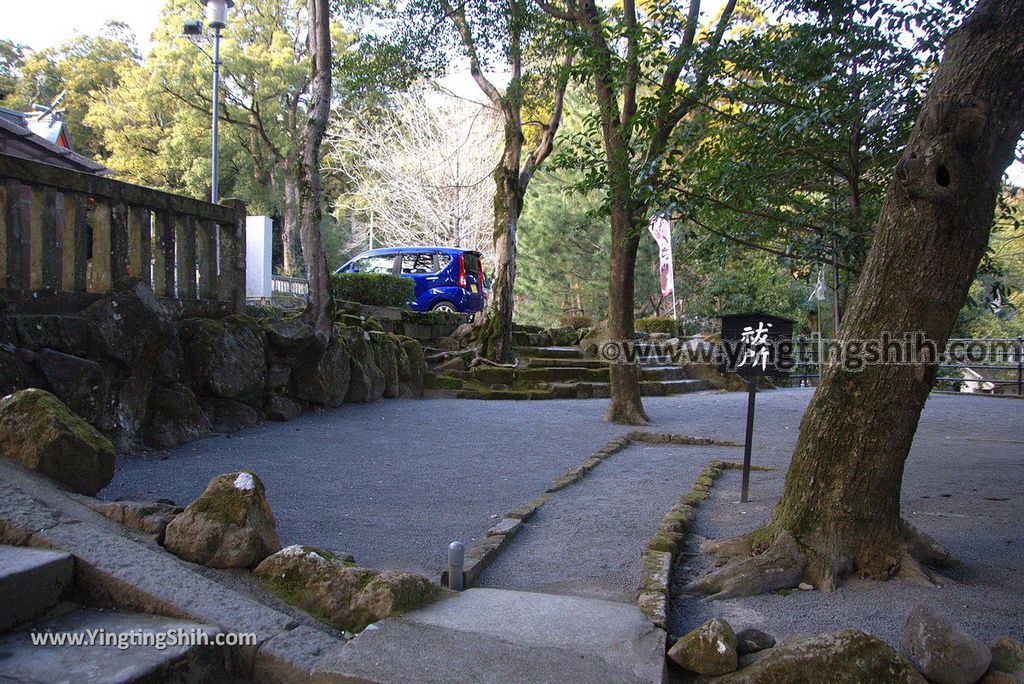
(146, 378)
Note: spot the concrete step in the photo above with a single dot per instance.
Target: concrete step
(32, 581)
(23, 661)
(561, 363)
(519, 327)
(493, 635)
(530, 339)
(551, 352)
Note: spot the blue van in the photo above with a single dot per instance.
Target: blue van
(447, 279)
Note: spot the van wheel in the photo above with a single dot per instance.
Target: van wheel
(444, 306)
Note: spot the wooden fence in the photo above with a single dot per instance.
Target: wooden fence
(66, 237)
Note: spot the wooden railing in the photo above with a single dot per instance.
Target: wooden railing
(74, 234)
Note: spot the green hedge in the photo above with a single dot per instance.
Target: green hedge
(576, 322)
(657, 324)
(373, 289)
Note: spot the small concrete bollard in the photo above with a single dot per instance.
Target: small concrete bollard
(456, 556)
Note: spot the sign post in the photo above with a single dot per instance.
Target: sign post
(755, 345)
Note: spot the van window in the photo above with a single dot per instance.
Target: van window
(418, 263)
(443, 260)
(472, 263)
(381, 263)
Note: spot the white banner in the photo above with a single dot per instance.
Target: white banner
(661, 230)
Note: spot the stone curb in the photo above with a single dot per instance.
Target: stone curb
(664, 547)
(485, 550)
(685, 440)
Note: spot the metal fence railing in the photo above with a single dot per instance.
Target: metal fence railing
(971, 365)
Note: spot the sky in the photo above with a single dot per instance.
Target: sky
(23, 23)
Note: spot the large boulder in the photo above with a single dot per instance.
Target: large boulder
(132, 331)
(323, 378)
(174, 417)
(710, 649)
(41, 433)
(942, 652)
(281, 409)
(385, 355)
(229, 415)
(229, 526)
(132, 325)
(1008, 658)
(288, 337)
(847, 657)
(225, 358)
(15, 373)
(69, 334)
(366, 381)
(79, 383)
(333, 589)
(412, 367)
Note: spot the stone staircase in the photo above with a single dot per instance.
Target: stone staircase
(549, 371)
(36, 594)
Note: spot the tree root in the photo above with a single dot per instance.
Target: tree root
(924, 549)
(786, 563)
(779, 567)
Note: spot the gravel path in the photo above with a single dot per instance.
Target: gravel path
(589, 538)
(394, 482)
(968, 496)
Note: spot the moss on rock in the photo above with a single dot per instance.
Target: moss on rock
(41, 433)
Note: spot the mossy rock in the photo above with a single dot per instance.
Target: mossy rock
(323, 378)
(443, 382)
(710, 649)
(846, 657)
(174, 417)
(412, 367)
(41, 433)
(366, 380)
(385, 354)
(225, 358)
(229, 526)
(332, 589)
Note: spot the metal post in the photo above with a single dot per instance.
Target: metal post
(836, 314)
(1020, 366)
(456, 557)
(214, 190)
(751, 393)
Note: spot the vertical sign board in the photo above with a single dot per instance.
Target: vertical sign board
(755, 345)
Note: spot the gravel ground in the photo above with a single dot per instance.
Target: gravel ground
(967, 493)
(589, 538)
(395, 481)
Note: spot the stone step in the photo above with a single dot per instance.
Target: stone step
(495, 635)
(663, 373)
(551, 352)
(519, 327)
(32, 581)
(669, 387)
(562, 363)
(23, 661)
(530, 339)
(563, 374)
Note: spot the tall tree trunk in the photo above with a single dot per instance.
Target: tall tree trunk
(496, 336)
(626, 406)
(289, 229)
(840, 509)
(319, 309)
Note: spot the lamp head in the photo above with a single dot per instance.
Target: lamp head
(217, 12)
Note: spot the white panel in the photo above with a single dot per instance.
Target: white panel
(259, 251)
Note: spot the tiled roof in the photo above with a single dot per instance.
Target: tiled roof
(17, 140)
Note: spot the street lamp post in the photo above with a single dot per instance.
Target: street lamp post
(217, 19)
